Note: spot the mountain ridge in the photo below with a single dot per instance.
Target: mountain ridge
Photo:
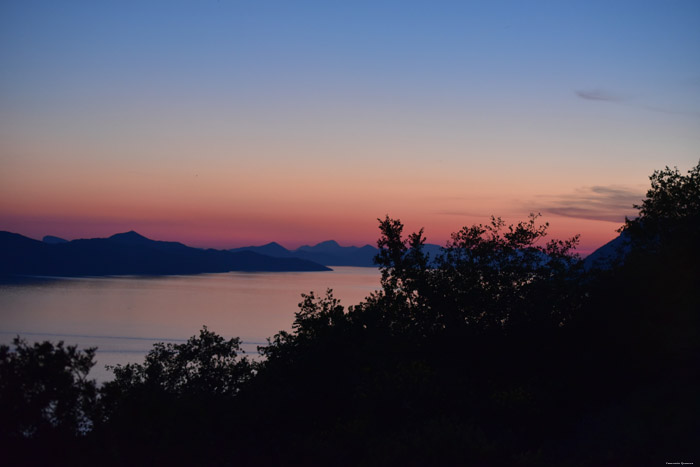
(329, 253)
(606, 256)
(325, 253)
(130, 253)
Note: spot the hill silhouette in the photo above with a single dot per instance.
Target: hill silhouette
(328, 253)
(53, 240)
(609, 254)
(130, 253)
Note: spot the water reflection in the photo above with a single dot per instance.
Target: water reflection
(124, 316)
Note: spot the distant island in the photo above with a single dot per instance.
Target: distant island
(328, 253)
(130, 253)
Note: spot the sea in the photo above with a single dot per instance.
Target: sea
(123, 316)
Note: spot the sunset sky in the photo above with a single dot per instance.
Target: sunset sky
(230, 123)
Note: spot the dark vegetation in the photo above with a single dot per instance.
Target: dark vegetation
(503, 350)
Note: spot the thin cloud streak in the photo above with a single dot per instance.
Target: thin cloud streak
(605, 96)
(600, 203)
(599, 95)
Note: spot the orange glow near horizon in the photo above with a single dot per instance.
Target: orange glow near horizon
(294, 203)
(289, 230)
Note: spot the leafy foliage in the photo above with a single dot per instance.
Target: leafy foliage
(44, 390)
(205, 368)
(171, 408)
(404, 359)
(488, 277)
(670, 213)
(204, 365)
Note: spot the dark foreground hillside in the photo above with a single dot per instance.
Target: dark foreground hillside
(503, 351)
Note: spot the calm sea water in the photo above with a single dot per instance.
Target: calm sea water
(124, 316)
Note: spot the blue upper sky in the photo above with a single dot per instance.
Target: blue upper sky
(350, 49)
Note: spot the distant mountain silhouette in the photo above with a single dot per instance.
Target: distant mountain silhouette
(132, 238)
(609, 254)
(53, 240)
(271, 249)
(130, 253)
(432, 250)
(328, 253)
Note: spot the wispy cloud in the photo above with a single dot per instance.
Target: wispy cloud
(599, 95)
(602, 203)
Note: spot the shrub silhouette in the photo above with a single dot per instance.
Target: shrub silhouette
(44, 389)
(46, 399)
(670, 212)
(175, 403)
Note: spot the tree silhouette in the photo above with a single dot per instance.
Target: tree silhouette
(670, 213)
(398, 365)
(643, 316)
(206, 364)
(176, 407)
(44, 389)
(487, 277)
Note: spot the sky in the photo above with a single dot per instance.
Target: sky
(230, 123)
